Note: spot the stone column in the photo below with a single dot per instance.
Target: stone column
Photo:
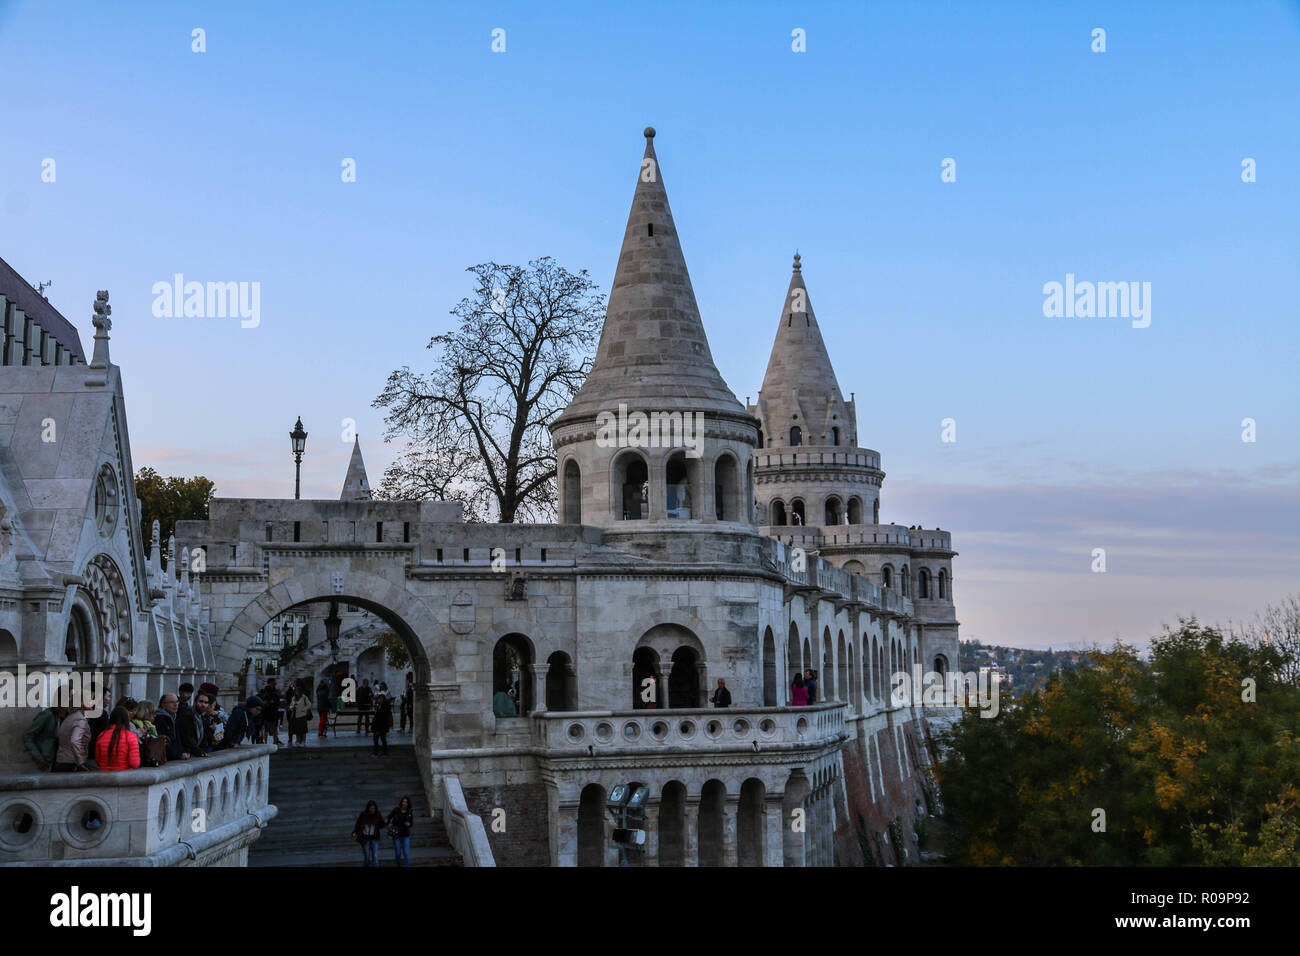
(774, 831)
(691, 824)
(651, 827)
(730, 848)
(539, 687)
(564, 845)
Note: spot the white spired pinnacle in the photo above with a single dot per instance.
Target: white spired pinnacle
(356, 487)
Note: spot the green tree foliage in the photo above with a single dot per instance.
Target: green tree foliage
(1186, 766)
(169, 500)
(394, 651)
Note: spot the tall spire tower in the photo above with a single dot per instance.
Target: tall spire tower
(654, 434)
(356, 487)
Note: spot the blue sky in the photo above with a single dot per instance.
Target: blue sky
(1072, 433)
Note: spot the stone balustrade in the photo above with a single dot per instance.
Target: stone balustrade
(188, 812)
(700, 730)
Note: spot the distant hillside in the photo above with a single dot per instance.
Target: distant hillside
(1025, 669)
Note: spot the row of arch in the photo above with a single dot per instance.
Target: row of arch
(838, 677)
(835, 510)
(683, 838)
(678, 487)
(796, 436)
(928, 586)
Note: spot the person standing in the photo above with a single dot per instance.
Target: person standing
(324, 698)
(74, 740)
(408, 702)
(192, 724)
(722, 696)
(383, 723)
(400, 822)
(366, 832)
(798, 692)
(365, 699)
(118, 747)
(299, 710)
(42, 737)
(165, 720)
(810, 681)
(271, 711)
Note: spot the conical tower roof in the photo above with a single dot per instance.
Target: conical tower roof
(356, 487)
(653, 353)
(799, 387)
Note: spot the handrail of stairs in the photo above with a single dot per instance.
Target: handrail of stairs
(465, 830)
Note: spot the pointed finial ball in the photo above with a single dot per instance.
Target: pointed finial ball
(797, 267)
(649, 132)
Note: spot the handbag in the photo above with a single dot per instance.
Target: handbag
(394, 830)
(153, 751)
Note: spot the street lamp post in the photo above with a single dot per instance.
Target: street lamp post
(297, 441)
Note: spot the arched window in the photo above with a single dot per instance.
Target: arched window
(572, 492)
(834, 511)
(77, 645)
(923, 583)
(647, 685)
(778, 511)
(750, 819)
(710, 826)
(941, 666)
(886, 577)
(680, 489)
(726, 489)
(843, 668)
(904, 576)
(855, 510)
(796, 436)
(793, 662)
(943, 584)
(760, 438)
(835, 436)
(512, 669)
(672, 824)
(631, 488)
(796, 512)
(875, 511)
(684, 679)
(591, 826)
(561, 692)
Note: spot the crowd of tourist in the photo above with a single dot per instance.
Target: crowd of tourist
(188, 725)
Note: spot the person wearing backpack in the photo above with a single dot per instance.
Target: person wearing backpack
(366, 832)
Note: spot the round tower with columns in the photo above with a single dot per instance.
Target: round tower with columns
(810, 469)
(654, 440)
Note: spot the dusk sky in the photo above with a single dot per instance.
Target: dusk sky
(1072, 433)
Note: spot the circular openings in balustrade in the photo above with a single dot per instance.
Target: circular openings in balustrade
(686, 729)
(713, 729)
(180, 812)
(604, 732)
(631, 730)
(767, 726)
(576, 733)
(802, 727)
(740, 726)
(257, 794)
(248, 784)
(207, 800)
(659, 730)
(86, 823)
(20, 823)
(164, 806)
(225, 794)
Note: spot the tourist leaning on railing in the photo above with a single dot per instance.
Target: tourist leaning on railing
(74, 741)
(242, 724)
(165, 720)
(118, 748)
(42, 737)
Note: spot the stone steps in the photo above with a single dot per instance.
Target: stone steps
(318, 793)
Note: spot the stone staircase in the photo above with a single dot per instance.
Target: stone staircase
(319, 791)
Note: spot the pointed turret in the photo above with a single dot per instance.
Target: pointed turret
(653, 353)
(356, 487)
(800, 390)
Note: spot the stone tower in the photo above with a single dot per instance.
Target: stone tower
(654, 438)
(810, 471)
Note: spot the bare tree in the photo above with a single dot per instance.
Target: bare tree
(476, 425)
(1278, 626)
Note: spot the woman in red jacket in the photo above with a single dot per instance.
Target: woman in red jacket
(118, 748)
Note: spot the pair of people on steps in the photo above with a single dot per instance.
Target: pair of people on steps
(371, 825)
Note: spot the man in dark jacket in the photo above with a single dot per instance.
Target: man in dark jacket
(193, 728)
(42, 738)
(810, 681)
(365, 698)
(242, 723)
(722, 696)
(324, 700)
(165, 721)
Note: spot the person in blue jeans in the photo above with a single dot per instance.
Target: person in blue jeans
(367, 831)
(400, 822)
